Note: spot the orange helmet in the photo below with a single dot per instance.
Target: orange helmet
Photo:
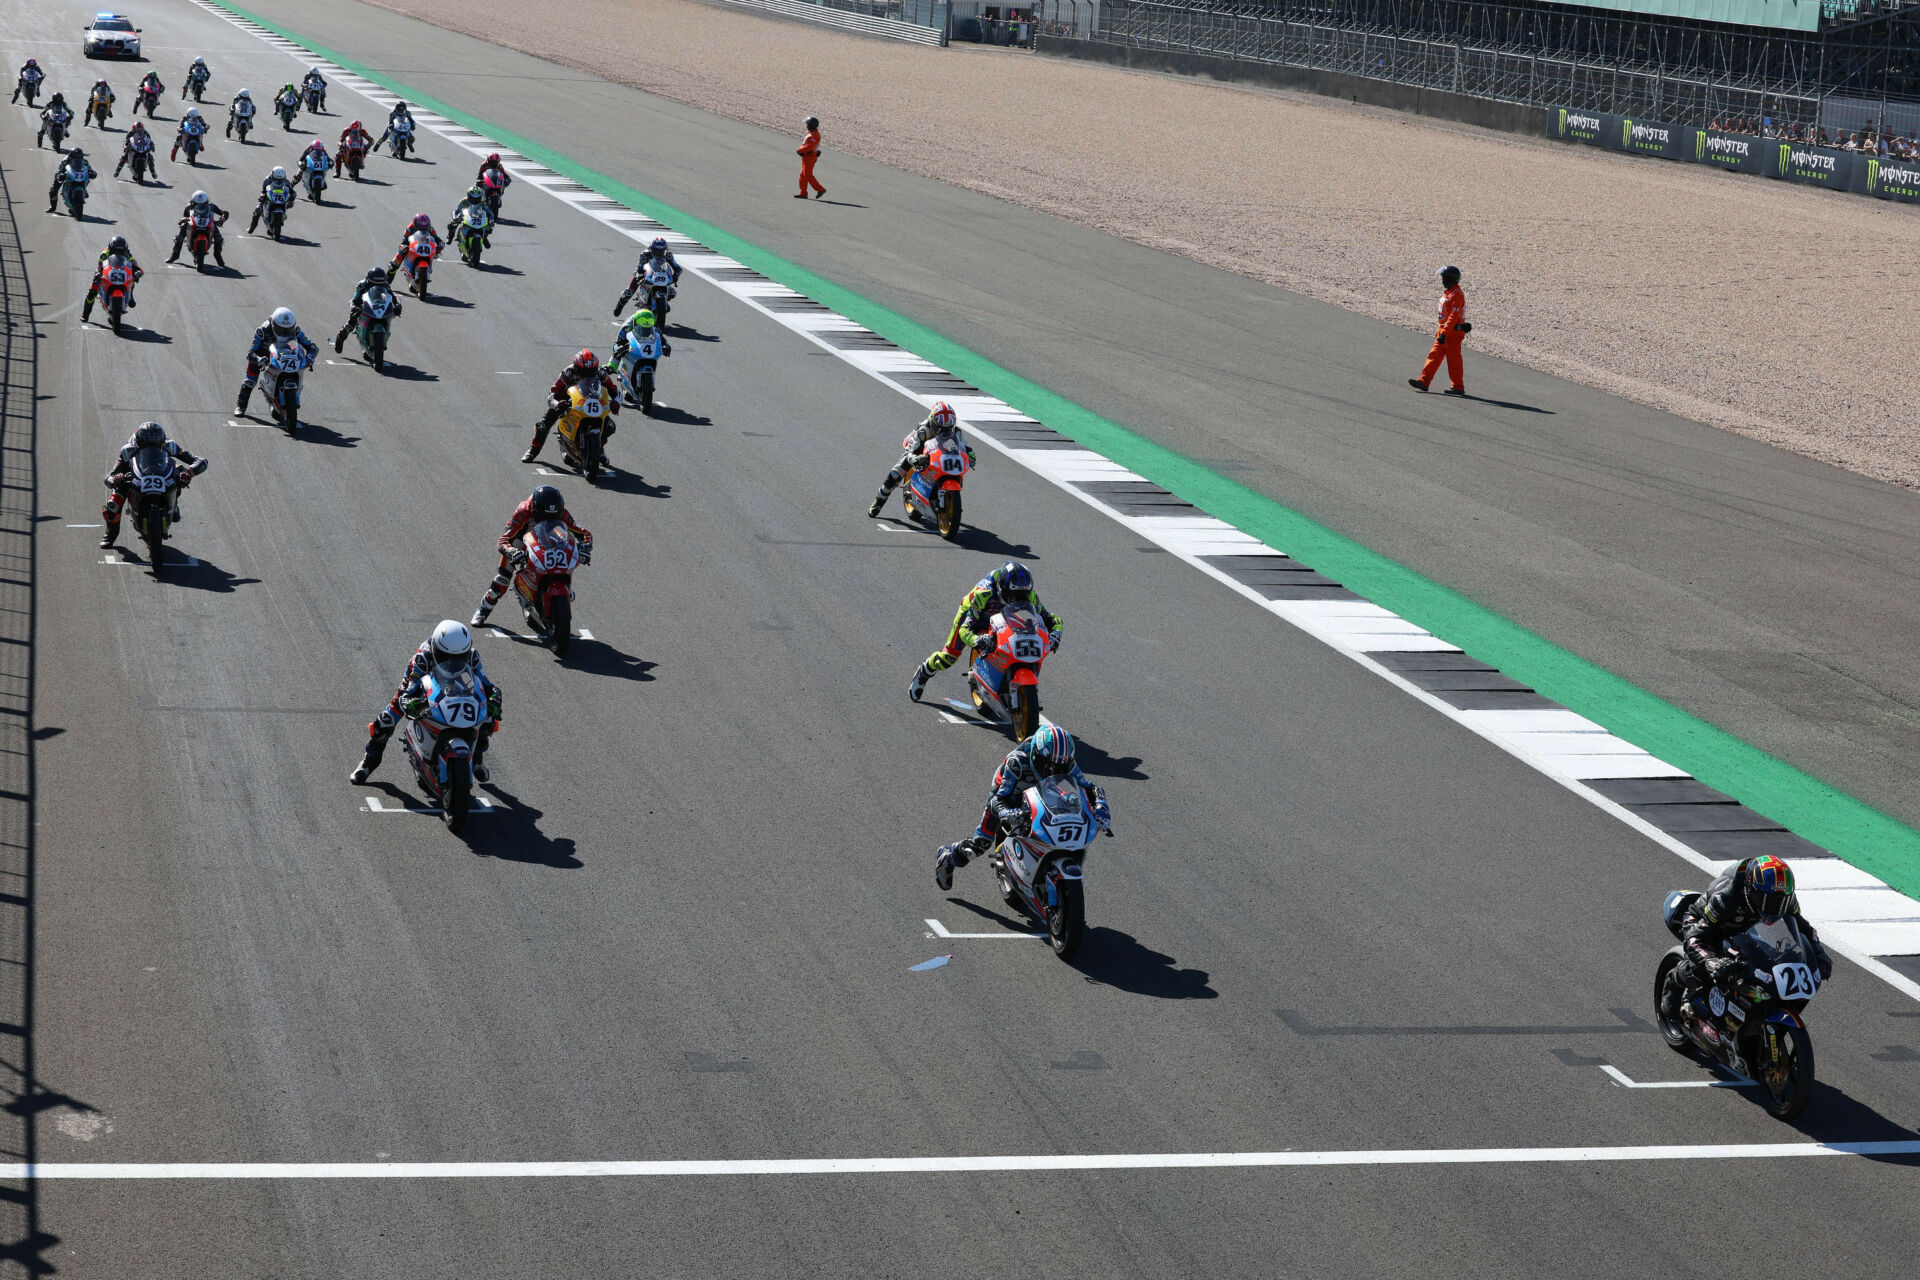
(586, 361)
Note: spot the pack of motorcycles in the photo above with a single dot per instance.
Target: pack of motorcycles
(1749, 1022)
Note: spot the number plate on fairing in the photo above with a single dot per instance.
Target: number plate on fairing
(1794, 981)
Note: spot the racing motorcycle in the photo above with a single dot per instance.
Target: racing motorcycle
(145, 97)
(57, 129)
(377, 309)
(493, 185)
(1005, 676)
(660, 292)
(286, 363)
(544, 581)
(313, 100)
(30, 87)
(279, 199)
(1749, 1021)
(583, 431)
(470, 234)
(352, 158)
(74, 191)
(116, 285)
(286, 108)
(636, 363)
(315, 180)
(153, 497)
(191, 144)
(402, 140)
(441, 732)
(196, 84)
(200, 224)
(1039, 871)
(417, 261)
(244, 124)
(142, 162)
(98, 112)
(933, 491)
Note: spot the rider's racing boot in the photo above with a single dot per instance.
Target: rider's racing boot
(339, 342)
(480, 771)
(365, 768)
(480, 615)
(943, 867)
(240, 405)
(879, 501)
(919, 684)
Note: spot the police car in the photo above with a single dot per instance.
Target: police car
(112, 35)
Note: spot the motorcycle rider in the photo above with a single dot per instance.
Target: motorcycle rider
(315, 160)
(102, 93)
(398, 113)
(499, 171)
(116, 248)
(149, 435)
(150, 83)
(30, 77)
(475, 198)
(200, 203)
(655, 252)
(1047, 754)
(57, 112)
(376, 278)
(637, 332)
(1750, 892)
(1010, 584)
(275, 192)
(940, 421)
(584, 370)
(450, 646)
(192, 125)
(280, 327)
(287, 98)
(241, 108)
(197, 74)
(315, 82)
(75, 166)
(355, 137)
(421, 222)
(544, 504)
(139, 142)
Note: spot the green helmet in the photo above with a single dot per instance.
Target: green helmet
(475, 192)
(642, 319)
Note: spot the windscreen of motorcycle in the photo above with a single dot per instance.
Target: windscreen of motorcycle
(553, 547)
(376, 304)
(1780, 957)
(153, 470)
(1062, 820)
(453, 697)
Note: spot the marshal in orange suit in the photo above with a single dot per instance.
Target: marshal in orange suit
(1449, 331)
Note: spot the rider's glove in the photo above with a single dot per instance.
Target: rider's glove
(1053, 642)
(414, 706)
(518, 555)
(586, 555)
(493, 706)
(1719, 968)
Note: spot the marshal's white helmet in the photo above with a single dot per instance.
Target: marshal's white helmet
(452, 644)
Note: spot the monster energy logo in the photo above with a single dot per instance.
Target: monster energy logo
(1881, 176)
(1563, 122)
(1699, 145)
(1626, 132)
(1786, 157)
(1873, 175)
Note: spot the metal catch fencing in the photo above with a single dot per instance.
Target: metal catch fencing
(1502, 74)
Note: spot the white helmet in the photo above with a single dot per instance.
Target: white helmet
(199, 197)
(193, 112)
(283, 321)
(452, 644)
(280, 172)
(245, 93)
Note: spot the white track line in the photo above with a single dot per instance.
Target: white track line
(947, 1164)
(1357, 629)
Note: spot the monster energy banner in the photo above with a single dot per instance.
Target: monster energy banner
(1888, 179)
(1742, 153)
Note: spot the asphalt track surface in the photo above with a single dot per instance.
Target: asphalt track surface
(686, 932)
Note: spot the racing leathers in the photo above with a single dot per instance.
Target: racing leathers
(971, 627)
(354, 138)
(264, 338)
(150, 84)
(28, 83)
(558, 400)
(83, 172)
(315, 160)
(274, 193)
(913, 457)
(315, 82)
(647, 260)
(460, 211)
(139, 142)
(409, 695)
(511, 553)
(406, 240)
(116, 479)
(197, 77)
(237, 110)
(99, 272)
(1006, 809)
(1723, 913)
(398, 113)
(353, 311)
(56, 115)
(209, 209)
(102, 94)
(190, 127)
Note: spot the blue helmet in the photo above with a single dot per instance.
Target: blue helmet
(1012, 581)
(1052, 750)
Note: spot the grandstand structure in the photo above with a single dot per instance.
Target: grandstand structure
(1838, 63)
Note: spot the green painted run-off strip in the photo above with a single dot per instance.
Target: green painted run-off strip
(1852, 829)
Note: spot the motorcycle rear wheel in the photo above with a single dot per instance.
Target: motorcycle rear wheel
(1667, 987)
(561, 624)
(1067, 923)
(950, 518)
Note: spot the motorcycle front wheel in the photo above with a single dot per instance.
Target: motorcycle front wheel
(113, 316)
(950, 517)
(561, 626)
(1667, 990)
(458, 798)
(151, 536)
(1787, 1074)
(1026, 716)
(1067, 922)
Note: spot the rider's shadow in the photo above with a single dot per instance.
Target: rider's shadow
(598, 658)
(442, 300)
(407, 373)
(133, 333)
(1098, 764)
(630, 482)
(498, 269)
(295, 241)
(314, 433)
(512, 833)
(678, 417)
(973, 538)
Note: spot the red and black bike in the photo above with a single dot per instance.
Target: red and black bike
(543, 580)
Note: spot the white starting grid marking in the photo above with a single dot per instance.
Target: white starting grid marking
(480, 805)
(947, 1164)
(940, 931)
(1624, 1080)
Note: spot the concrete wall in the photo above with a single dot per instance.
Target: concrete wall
(1506, 116)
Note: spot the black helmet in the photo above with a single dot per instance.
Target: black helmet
(547, 502)
(376, 275)
(117, 245)
(1449, 276)
(659, 245)
(813, 122)
(1768, 885)
(150, 435)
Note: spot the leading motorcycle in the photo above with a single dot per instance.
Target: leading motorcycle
(1040, 871)
(441, 731)
(1005, 676)
(933, 492)
(543, 580)
(153, 488)
(402, 140)
(1750, 1020)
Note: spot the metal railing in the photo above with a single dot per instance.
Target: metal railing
(1502, 74)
